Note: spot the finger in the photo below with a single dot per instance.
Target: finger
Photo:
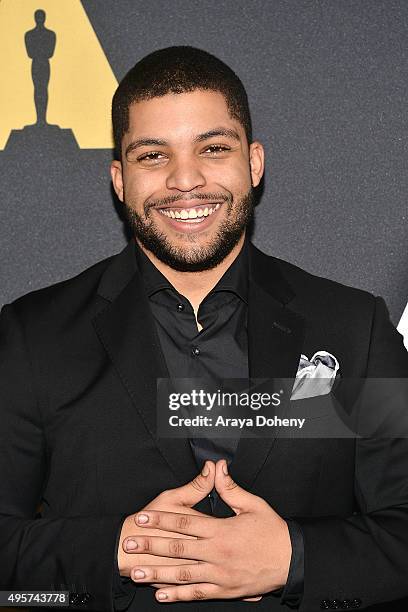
(199, 526)
(172, 574)
(239, 499)
(193, 592)
(195, 490)
(180, 548)
(162, 585)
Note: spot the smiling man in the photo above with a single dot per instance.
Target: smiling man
(129, 520)
(186, 188)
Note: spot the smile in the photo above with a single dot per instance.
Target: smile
(189, 215)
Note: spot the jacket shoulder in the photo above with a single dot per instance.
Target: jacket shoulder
(312, 288)
(65, 294)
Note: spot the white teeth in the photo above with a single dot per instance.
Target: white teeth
(194, 215)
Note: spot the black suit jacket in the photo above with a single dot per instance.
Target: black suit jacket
(78, 368)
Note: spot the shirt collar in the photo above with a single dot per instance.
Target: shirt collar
(234, 279)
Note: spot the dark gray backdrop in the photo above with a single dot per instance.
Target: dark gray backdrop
(327, 83)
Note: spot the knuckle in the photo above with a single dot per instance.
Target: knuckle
(176, 548)
(184, 575)
(155, 574)
(230, 484)
(146, 544)
(197, 483)
(198, 594)
(182, 521)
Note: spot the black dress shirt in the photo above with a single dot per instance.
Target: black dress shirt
(219, 351)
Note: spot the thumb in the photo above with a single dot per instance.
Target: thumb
(195, 490)
(237, 498)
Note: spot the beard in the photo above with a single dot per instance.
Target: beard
(190, 258)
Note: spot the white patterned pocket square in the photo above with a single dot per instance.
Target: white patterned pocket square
(315, 376)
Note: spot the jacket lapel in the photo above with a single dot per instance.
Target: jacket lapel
(125, 327)
(275, 339)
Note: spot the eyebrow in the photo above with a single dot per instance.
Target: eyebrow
(143, 142)
(228, 132)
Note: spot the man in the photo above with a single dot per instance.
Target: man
(308, 523)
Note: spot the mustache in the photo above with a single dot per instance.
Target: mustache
(210, 197)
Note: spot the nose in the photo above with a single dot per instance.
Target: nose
(185, 174)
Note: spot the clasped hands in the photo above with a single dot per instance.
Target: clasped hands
(189, 555)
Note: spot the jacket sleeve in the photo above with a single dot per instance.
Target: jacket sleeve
(72, 553)
(360, 560)
(293, 590)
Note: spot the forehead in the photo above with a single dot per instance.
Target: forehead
(180, 114)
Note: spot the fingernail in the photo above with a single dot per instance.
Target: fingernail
(142, 518)
(139, 573)
(205, 471)
(225, 468)
(162, 596)
(131, 545)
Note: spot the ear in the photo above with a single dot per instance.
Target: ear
(117, 178)
(256, 162)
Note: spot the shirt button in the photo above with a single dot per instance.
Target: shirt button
(180, 307)
(195, 351)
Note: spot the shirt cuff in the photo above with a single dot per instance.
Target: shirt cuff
(293, 590)
(123, 588)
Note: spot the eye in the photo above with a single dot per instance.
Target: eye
(152, 156)
(214, 149)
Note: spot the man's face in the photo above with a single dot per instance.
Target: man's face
(187, 178)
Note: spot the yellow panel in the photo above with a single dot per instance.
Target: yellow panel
(81, 84)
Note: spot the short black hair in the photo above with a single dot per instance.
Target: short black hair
(178, 70)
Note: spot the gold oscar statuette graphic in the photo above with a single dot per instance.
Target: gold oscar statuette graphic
(57, 83)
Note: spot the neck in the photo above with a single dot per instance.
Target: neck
(195, 285)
